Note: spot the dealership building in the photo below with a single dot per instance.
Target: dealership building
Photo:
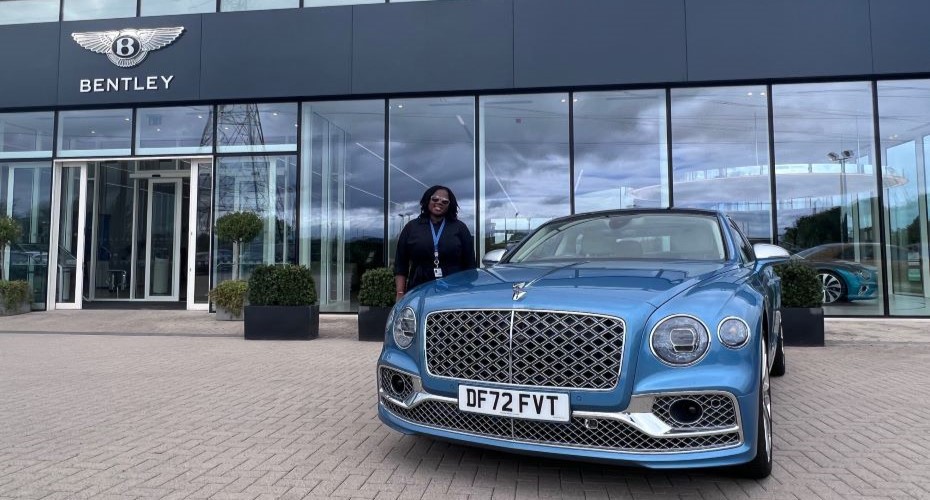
(127, 128)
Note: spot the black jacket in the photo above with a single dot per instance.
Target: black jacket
(414, 256)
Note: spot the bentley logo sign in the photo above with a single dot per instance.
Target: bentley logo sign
(519, 290)
(127, 48)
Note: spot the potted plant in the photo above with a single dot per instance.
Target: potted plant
(229, 298)
(375, 298)
(282, 304)
(14, 295)
(238, 228)
(801, 304)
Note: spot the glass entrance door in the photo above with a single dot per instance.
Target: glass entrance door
(66, 252)
(163, 238)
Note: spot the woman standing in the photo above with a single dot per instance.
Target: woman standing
(434, 245)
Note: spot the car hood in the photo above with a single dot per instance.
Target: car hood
(612, 287)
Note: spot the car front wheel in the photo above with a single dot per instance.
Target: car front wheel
(761, 466)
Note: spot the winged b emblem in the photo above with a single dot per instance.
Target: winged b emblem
(519, 290)
(128, 47)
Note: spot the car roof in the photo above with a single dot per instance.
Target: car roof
(633, 211)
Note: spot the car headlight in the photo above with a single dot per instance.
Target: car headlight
(405, 327)
(679, 340)
(863, 274)
(733, 332)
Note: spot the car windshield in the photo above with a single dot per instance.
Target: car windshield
(626, 236)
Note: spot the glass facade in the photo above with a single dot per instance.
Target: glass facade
(334, 182)
(720, 154)
(25, 195)
(904, 122)
(77, 10)
(181, 130)
(26, 135)
(234, 5)
(342, 197)
(168, 7)
(95, 133)
(28, 11)
(523, 165)
(266, 186)
(621, 150)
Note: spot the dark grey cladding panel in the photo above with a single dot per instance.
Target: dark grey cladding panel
(901, 37)
(28, 65)
(598, 42)
(433, 46)
(180, 60)
(750, 39)
(277, 53)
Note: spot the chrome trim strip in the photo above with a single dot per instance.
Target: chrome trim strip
(644, 421)
(513, 311)
(567, 447)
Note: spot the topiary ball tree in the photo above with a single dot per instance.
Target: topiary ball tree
(9, 232)
(377, 288)
(238, 228)
(800, 286)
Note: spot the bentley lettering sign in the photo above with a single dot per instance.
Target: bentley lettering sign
(127, 48)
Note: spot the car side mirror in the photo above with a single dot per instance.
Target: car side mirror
(767, 254)
(492, 257)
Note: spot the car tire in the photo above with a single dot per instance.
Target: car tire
(834, 289)
(779, 366)
(761, 466)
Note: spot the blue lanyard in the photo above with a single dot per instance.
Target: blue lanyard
(436, 236)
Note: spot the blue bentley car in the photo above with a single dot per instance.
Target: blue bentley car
(636, 337)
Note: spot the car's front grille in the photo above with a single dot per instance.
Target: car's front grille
(605, 434)
(718, 411)
(538, 348)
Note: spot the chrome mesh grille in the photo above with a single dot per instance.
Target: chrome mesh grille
(606, 434)
(547, 349)
(719, 411)
(386, 373)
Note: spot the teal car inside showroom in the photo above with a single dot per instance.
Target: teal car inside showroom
(640, 337)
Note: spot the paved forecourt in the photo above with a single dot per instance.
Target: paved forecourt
(179, 416)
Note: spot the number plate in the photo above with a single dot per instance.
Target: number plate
(549, 406)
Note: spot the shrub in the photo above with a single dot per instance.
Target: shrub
(377, 288)
(9, 232)
(14, 293)
(230, 295)
(238, 227)
(800, 286)
(282, 285)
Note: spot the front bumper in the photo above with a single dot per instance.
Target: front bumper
(643, 434)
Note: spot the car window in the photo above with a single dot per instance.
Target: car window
(626, 236)
(745, 247)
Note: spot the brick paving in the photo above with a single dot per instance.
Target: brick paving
(177, 415)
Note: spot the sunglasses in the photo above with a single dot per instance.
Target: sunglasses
(441, 201)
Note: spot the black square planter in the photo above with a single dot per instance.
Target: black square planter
(282, 322)
(802, 326)
(372, 322)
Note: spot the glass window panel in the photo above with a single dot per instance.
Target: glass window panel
(26, 135)
(204, 224)
(266, 186)
(25, 195)
(621, 153)
(826, 188)
(68, 222)
(432, 143)
(342, 203)
(720, 154)
(28, 11)
(325, 3)
(904, 120)
(168, 7)
(181, 130)
(524, 164)
(76, 10)
(95, 133)
(233, 5)
(256, 128)
(111, 272)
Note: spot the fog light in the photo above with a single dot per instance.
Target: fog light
(685, 411)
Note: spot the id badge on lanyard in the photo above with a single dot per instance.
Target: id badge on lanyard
(437, 271)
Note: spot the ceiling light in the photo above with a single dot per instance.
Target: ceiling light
(749, 93)
(93, 131)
